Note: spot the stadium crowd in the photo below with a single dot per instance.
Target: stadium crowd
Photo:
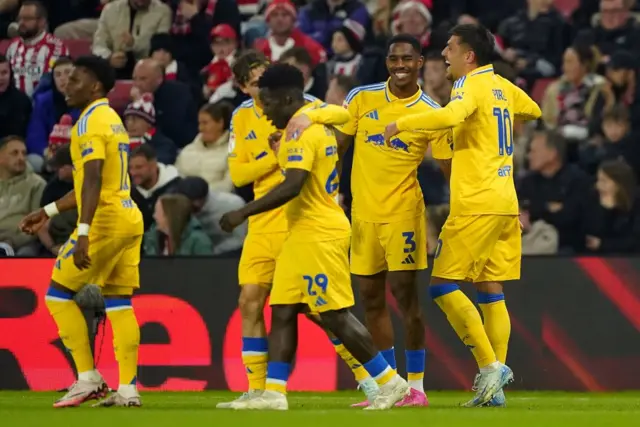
(576, 169)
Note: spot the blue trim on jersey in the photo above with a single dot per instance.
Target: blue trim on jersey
(310, 98)
(488, 70)
(368, 88)
(429, 101)
(82, 122)
(459, 83)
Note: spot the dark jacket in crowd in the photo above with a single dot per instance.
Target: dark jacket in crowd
(619, 231)
(48, 107)
(570, 187)
(627, 149)
(372, 68)
(63, 11)
(166, 150)
(176, 112)
(489, 13)
(168, 178)
(15, 108)
(626, 37)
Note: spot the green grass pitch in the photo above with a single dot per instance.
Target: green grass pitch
(526, 409)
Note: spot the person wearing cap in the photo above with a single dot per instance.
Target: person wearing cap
(224, 45)
(208, 207)
(140, 121)
(281, 17)
(346, 43)
(321, 18)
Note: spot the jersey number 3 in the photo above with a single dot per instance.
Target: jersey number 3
(505, 131)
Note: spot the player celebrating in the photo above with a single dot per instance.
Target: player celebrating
(105, 247)
(252, 161)
(389, 241)
(313, 266)
(480, 241)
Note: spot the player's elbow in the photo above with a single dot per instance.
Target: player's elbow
(237, 177)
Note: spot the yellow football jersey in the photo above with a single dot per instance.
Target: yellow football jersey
(315, 215)
(100, 135)
(384, 180)
(481, 112)
(251, 160)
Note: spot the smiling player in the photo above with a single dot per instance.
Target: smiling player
(480, 241)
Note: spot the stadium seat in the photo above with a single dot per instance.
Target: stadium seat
(566, 7)
(78, 47)
(539, 88)
(120, 97)
(4, 45)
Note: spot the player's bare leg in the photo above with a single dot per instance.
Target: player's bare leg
(497, 325)
(405, 290)
(359, 342)
(75, 337)
(126, 342)
(254, 340)
(466, 321)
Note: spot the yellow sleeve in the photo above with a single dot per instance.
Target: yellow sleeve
(441, 143)
(351, 105)
(331, 115)
(242, 167)
(93, 144)
(524, 107)
(463, 104)
(300, 153)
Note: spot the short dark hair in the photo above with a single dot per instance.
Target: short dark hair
(434, 55)
(246, 63)
(145, 150)
(344, 82)
(41, 11)
(555, 141)
(62, 60)
(478, 39)
(100, 69)
(282, 76)
(7, 139)
(219, 111)
(623, 175)
(193, 187)
(617, 113)
(298, 54)
(405, 38)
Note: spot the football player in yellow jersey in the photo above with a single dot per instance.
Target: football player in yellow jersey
(480, 241)
(252, 161)
(312, 271)
(389, 241)
(105, 247)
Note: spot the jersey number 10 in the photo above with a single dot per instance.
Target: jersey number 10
(505, 131)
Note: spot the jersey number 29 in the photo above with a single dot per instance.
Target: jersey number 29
(505, 131)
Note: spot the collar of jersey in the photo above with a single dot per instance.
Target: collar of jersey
(257, 110)
(92, 106)
(408, 101)
(482, 70)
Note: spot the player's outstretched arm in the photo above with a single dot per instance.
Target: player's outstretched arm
(33, 222)
(524, 107)
(344, 142)
(331, 115)
(456, 112)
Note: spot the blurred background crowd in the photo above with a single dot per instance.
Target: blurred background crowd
(576, 169)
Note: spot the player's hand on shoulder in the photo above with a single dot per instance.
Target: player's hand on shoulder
(81, 254)
(390, 131)
(231, 220)
(33, 222)
(274, 141)
(297, 125)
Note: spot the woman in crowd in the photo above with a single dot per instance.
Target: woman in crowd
(175, 231)
(206, 156)
(613, 217)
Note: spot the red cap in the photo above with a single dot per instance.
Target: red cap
(284, 4)
(224, 31)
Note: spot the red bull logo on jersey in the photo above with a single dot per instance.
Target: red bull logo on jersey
(377, 139)
(398, 144)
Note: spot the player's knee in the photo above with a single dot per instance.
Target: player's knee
(489, 287)
(373, 298)
(283, 315)
(335, 320)
(251, 301)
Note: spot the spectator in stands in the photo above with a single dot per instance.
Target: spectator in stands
(315, 78)
(538, 237)
(534, 40)
(176, 232)
(32, 54)
(281, 16)
(339, 86)
(346, 44)
(569, 101)
(60, 136)
(48, 108)
(125, 30)
(619, 142)
(320, 18)
(192, 25)
(414, 18)
(436, 84)
(208, 206)
(176, 110)
(613, 28)
(206, 156)
(58, 229)
(74, 19)
(217, 75)
(15, 106)
(140, 121)
(163, 51)
(613, 225)
(488, 13)
(20, 193)
(555, 191)
(151, 177)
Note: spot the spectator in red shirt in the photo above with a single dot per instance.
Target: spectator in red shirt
(35, 50)
(224, 45)
(281, 16)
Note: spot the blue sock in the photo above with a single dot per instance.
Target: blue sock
(415, 368)
(390, 356)
(379, 369)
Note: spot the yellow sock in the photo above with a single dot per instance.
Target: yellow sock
(496, 322)
(465, 320)
(254, 358)
(359, 372)
(126, 337)
(72, 328)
